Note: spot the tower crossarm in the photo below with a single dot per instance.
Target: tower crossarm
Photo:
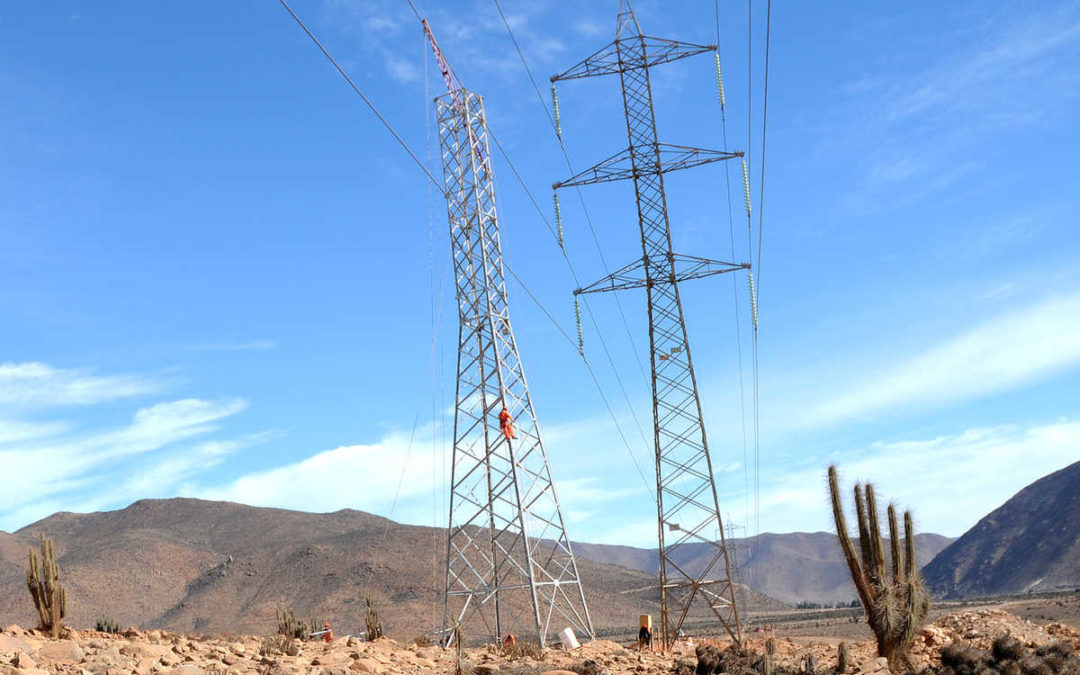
(606, 61)
(620, 166)
(685, 267)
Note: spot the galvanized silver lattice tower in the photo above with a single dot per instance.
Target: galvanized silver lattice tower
(509, 565)
(687, 503)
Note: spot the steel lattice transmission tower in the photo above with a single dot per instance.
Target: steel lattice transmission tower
(510, 567)
(687, 503)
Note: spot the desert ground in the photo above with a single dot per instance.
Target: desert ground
(1033, 621)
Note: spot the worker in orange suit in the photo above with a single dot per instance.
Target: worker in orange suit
(328, 636)
(506, 423)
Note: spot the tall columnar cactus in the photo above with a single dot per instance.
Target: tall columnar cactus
(372, 623)
(49, 596)
(895, 606)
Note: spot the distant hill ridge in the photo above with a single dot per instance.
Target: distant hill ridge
(1030, 543)
(794, 567)
(218, 567)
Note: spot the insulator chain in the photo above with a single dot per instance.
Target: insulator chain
(555, 107)
(580, 333)
(558, 219)
(719, 80)
(753, 301)
(746, 187)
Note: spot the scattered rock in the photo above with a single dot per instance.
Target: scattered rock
(61, 651)
(23, 661)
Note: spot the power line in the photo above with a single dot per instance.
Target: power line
(764, 129)
(588, 367)
(577, 188)
(735, 296)
(577, 281)
(588, 310)
(355, 88)
(761, 229)
(592, 318)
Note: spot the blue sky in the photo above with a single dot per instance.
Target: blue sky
(220, 277)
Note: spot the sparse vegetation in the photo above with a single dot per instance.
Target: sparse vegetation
(273, 645)
(461, 665)
(895, 606)
(106, 624)
(1007, 656)
(373, 625)
(734, 660)
(291, 627)
(525, 649)
(49, 595)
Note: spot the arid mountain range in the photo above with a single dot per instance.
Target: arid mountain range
(1030, 543)
(794, 567)
(217, 567)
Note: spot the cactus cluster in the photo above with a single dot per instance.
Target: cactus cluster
(291, 627)
(49, 595)
(373, 625)
(895, 606)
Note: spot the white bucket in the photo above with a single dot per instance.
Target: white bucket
(568, 639)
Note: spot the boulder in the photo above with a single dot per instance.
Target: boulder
(61, 651)
(23, 661)
(10, 643)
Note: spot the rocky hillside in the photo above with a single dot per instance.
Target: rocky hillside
(1030, 543)
(216, 567)
(24, 652)
(794, 567)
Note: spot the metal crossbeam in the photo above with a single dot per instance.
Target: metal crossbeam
(686, 268)
(509, 564)
(654, 51)
(620, 166)
(687, 503)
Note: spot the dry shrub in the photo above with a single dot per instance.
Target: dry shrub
(588, 667)
(525, 649)
(1007, 656)
(733, 660)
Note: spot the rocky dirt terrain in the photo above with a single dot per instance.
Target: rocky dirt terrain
(26, 652)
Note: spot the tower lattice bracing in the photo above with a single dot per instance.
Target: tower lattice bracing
(510, 567)
(687, 501)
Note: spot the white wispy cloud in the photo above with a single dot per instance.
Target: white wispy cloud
(972, 81)
(79, 467)
(949, 482)
(89, 461)
(365, 477)
(12, 431)
(924, 131)
(1008, 351)
(35, 384)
